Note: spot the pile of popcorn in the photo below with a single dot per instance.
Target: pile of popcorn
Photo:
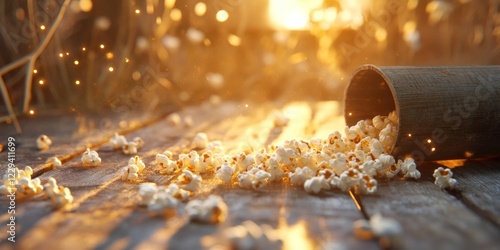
(351, 162)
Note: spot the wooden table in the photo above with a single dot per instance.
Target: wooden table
(105, 214)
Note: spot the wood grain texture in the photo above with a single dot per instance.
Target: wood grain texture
(106, 215)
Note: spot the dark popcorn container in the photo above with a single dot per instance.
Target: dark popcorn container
(445, 112)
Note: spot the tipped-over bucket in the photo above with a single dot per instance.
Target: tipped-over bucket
(445, 112)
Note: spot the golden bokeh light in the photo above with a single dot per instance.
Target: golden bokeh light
(222, 16)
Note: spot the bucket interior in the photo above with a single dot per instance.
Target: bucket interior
(367, 96)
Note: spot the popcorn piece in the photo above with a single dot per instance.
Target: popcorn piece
(174, 119)
(316, 184)
(245, 180)
(261, 178)
(286, 156)
(168, 153)
(43, 142)
(280, 120)
(189, 181)
(243, 161)
(376, 148)
(383, 227)
(59, 195)
(28, 187)
(225, 172)
(147, 193)
(200, 141)
(249, 235)
(164, 204)
(348, 179)
(274, 170)
(211, 210)
(139, 142)
(138, 162)
(130, 148)
(175, 191)
(118, 141)
(167, 166)
(300, 176)
(130, 172)
(409, 168)
(367, 185)
(54, 161)
(91, 158)
(443, 178)
(339, 164)
(389, 168)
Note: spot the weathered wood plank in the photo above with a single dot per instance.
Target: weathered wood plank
(478, 187)
(430, 217)
(105, 212)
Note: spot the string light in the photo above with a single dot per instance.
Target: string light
(127, 60)
(137, 11)
(101, 46)
(429, 141)
(111, 69)
(409, 135)
(200, 9)
(77, 82)
(76, 62)
(32, 112)
(61, 54)
(83, 49)
(109, 55)
(42, 27)
(35, 71)
(41, 82)
(67, 53)
(433, 149)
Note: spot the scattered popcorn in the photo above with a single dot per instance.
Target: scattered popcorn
(118, 141)
(383, 226)
(147, 193)
(164, 204)
(91, 158)
(59, 195)
(175, 191)
(443, 178)
(225, 172)
(189, 181)
(43, 142)
(174, 119)
(54, 161)
(200, 141)
(378, 226)
(29, 187)
(248, 235)
(280, 120)
(130, 172)
(316, 184)
(130, 148)
(138, 141)
(215, 146)
(211, 210)
(409, 168)
(167, 166)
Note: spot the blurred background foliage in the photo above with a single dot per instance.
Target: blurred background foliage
(118, 56)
